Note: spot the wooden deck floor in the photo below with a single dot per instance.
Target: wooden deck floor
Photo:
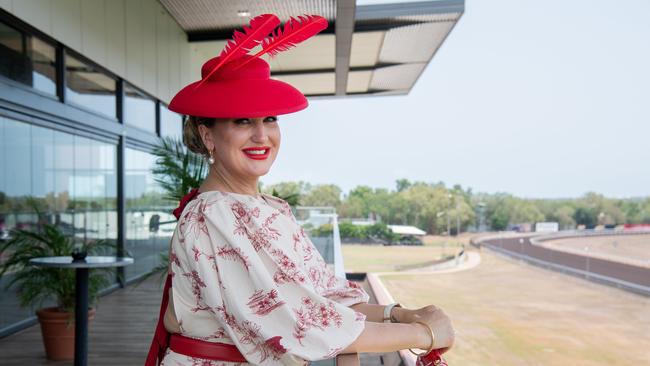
(120, 334)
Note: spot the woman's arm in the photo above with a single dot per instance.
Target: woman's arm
(402, 335)
(390, 337)
(375, 312)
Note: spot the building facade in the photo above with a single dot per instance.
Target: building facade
(82, 91)
(84, 87)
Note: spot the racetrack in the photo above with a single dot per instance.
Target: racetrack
(625, 275)
(631, 249)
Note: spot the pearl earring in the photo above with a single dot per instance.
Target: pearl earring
(211, 158)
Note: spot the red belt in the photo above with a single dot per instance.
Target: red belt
(203, 349)
(183, 345)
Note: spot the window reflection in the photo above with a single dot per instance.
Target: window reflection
(171, 123)
(72, 180)
(27, 59)
(139, 109)
(89, 87)
(149, 220)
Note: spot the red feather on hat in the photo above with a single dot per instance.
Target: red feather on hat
(242, 43)
(293, 33)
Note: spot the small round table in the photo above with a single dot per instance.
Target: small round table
(81, 293)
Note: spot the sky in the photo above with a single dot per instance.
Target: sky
(541, 99)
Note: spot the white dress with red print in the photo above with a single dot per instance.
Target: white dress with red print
(245, 273)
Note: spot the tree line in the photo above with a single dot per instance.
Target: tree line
(436, 208)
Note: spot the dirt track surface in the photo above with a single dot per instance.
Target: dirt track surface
(605, 267)
(632, 249)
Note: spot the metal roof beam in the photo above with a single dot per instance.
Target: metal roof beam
(226, 34)
(330, 70)
(375, 11)
(344, 28)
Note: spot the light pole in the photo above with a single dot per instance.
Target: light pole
(457, 216)
(448, 208)
(479, 210)
(444, 244)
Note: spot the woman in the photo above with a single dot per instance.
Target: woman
(246, 284)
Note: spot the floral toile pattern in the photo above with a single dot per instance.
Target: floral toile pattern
(244, 272)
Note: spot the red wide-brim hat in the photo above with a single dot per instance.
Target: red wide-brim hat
(237, 85)
(246, 92)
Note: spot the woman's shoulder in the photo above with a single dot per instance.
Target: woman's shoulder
(279, 204)
(225, 208)
(213, 204)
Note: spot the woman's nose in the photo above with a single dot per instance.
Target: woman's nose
(260, 134)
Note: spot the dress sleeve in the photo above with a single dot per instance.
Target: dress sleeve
(326, 282)
(248, 276)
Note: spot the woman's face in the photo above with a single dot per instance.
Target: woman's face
(245, 147)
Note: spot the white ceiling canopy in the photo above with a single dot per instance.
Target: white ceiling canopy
(384, 53)
(208, 15)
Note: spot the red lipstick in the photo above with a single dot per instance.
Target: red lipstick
(257, 152)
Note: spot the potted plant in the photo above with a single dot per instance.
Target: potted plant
(35, 285)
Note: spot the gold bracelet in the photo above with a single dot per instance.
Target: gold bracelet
(433, 340)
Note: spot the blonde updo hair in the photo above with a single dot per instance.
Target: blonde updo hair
(192, 137)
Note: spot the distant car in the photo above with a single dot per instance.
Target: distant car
(409, 240)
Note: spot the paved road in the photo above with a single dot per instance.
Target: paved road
(608, 268)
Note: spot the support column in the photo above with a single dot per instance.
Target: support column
(121, 201)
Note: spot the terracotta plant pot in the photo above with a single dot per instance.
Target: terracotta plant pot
(57, 328)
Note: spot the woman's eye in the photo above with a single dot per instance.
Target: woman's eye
(245, 121)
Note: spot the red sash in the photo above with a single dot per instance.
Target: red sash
(162, 339)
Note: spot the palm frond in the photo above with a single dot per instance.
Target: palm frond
(177, 169)
(292, 199)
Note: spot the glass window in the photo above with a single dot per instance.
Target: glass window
(27, 59)
(94, 170)
(72, 180)
(42, 165)
(139, 109)
(89, 87)
(149, 219)
(17, 158)
(171, 123)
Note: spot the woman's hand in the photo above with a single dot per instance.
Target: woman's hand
(439, 322)
(405, 315)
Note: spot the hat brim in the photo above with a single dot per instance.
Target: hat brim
(240, 98)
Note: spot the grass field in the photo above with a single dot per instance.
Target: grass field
(438, 240)
(509, 313)
(379, 258)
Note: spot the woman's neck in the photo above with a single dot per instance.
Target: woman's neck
(219, 180)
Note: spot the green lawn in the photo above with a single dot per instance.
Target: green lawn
(379, 258)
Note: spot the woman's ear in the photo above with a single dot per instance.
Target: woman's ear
(206, 137)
